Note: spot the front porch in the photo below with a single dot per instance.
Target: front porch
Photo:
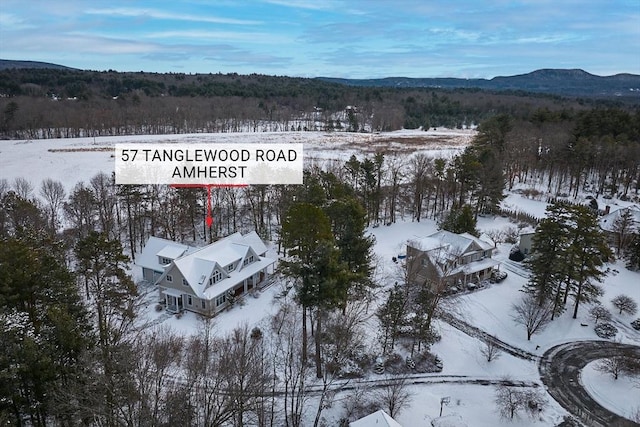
(474, 272)
(173, 300)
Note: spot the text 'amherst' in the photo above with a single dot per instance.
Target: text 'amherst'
(231, 164)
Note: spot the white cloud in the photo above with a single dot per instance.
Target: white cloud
(10, 22)
(159, 14)
(258, 38)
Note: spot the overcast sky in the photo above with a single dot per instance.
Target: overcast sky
(309, 38)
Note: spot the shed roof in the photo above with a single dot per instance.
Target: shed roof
(377, 419)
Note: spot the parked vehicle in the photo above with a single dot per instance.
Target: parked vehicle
(498, 276)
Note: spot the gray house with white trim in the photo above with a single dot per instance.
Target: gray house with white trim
(453, 258)
(203, 280)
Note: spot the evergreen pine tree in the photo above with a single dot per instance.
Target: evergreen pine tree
(550, 240)
(392, 317)
(460, 220)
(587, 254)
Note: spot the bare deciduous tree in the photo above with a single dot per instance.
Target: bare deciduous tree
(613, 365)
(290, 366)
(510, 400)
(54, 194)
(599, 312)
(490, 351)
(394, 395)
(357, 404)
(532, 315)
(23, 187)
(4, 187)
(625, 304)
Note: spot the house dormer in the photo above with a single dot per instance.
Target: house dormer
(249, 258)
(230, 267)
(216, 276)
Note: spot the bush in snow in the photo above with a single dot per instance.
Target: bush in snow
(636, 324)
(427, 362)
(606, 330)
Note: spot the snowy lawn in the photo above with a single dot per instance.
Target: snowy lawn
(474, 403)
(621, 396)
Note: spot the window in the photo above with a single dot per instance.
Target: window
(248, 260)
(215, 277)
(221, 299)
(184, 282)
(189, 300)
(165, 261)
(230, 267)
(203, 303)
(169, 278)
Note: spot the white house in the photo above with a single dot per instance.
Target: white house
(608, 221)
(620, 225)
(204, 279)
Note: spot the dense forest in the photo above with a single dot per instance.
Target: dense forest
(51, 103)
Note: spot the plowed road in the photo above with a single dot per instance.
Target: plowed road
(560, 368)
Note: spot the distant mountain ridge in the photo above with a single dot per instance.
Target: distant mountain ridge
(571, 82)
(566, 82)
(11, 63)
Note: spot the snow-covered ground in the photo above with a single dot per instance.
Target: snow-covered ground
(488, 309)
(621, 396)
(71, 161)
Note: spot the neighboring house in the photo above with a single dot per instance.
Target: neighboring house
(454, 258)
(204, 280)
(377, 419)
(526, 243)
(608, 222)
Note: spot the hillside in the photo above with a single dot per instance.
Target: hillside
(551, 81)
(564, 82)
(6, 64)
(118, 103)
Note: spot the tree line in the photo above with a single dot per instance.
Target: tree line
(91, 103)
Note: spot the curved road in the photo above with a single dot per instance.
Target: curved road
(560, 368)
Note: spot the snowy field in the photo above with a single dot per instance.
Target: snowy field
(71, 160)
(74, 160)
